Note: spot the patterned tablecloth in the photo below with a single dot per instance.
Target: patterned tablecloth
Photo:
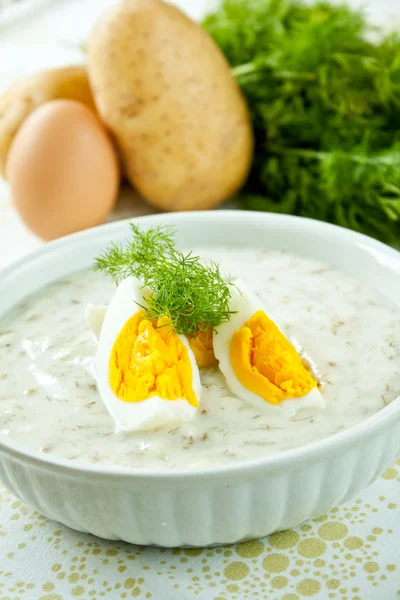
(353, 553)
(350, 554)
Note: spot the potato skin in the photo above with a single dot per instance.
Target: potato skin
(27, 94)
(166, 92)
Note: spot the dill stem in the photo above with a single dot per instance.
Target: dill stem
(392, 159)
(252, 67)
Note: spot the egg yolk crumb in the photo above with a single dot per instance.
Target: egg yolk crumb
(149, 359)
(266, 363)
(203, 349)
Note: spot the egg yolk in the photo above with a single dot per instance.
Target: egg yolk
(203, 350)
(149, 359)
(266, 363)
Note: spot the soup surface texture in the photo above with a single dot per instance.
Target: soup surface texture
(49, 400)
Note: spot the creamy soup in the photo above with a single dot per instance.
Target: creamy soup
(49, 400)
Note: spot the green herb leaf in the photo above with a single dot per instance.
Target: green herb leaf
(192, 294)
(140, 256)
(323, 90)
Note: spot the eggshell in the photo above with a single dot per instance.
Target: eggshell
(63, 170)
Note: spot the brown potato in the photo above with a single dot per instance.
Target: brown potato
(17, 103)
(166, 92)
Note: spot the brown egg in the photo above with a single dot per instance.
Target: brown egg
(63, 170)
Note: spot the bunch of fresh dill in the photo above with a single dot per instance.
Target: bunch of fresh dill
(324, 97)
(192, 294)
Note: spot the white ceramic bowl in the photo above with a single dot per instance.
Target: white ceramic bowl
(222, 504)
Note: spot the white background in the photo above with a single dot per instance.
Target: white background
(45, 33)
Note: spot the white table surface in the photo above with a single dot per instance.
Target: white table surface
(49, 35)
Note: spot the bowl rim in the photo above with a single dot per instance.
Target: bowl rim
(317, 450)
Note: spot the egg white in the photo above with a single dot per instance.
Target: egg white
(107, 322)
(245, 303)
(94, 315)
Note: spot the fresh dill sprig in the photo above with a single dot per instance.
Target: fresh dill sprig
(323, 89)
(140, 256)
(193, 295)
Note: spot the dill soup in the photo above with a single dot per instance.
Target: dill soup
(49, 400)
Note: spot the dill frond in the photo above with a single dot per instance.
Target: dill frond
(323, 90)
(137, 258)
(193, 295)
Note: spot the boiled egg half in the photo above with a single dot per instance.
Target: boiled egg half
(260, 364)
(146, 373)
(200, 344)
